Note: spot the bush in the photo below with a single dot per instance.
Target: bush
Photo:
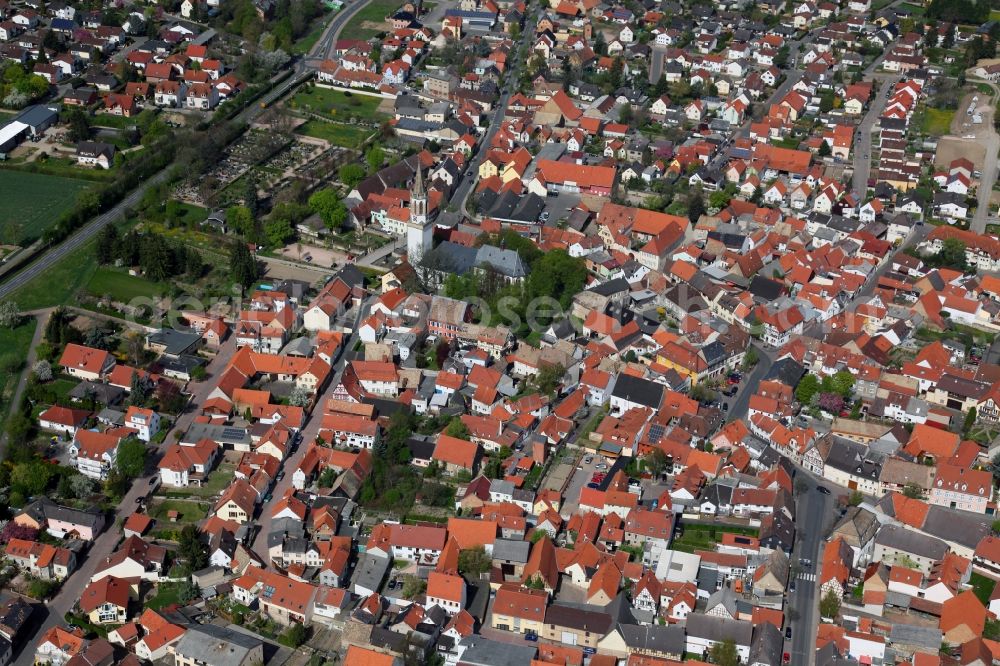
(295, 636)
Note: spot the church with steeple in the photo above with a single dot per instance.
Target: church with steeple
(419, 228)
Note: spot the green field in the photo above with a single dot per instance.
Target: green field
(33, 202)
(337, 105)
(915, 10)
(166, 595)
(59, 283)
(338, 134)
(121, 286)
(14, 345)
(937, 122)
(362, 24)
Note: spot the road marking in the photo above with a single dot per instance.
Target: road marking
(807, 576)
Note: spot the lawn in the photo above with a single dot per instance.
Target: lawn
(982, 587)
(693, 540)
(58, 284)
(336, 104)
(121, 286)
(217, 482)
(347, 136)
(32, 203)
(62, 167)
(113, 121)
(190, 512)
(166, 594)
(937, 122)
(914, 10)
(705, 537)
(14, 343)
(362, 24)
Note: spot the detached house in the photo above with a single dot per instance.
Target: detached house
(94, 453)
(182, 466)
(86, 363)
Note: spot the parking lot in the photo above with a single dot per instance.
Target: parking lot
(559, 207)
(581, 477)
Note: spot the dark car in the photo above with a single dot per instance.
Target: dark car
(530, 636)
(593, 486)
(788, 632)
(823, 489)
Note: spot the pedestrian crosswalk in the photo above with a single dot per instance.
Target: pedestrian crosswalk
(811, 577)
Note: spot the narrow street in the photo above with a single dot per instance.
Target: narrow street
(461, 193)
(862, 149)
(306, 436)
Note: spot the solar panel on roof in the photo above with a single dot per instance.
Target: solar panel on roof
(656, 432)
(236, 433)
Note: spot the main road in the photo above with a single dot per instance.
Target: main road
(813, 518)
(988, 175)
(306, 436)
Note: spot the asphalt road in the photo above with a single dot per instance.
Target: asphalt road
(863, 140)
(748, 387)
(813, 517)
(323, 49)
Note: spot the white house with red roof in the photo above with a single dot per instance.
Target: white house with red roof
(145, 422)
(446, 590)
(63, 419)
(86, 363)
(94, 453)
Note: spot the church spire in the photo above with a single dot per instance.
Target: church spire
(418, 184)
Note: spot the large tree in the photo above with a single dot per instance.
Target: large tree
(242, 266)
(329, 207)
(807, 388)
(131, 459)
(474, 561)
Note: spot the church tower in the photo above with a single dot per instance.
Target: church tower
(419, 230)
